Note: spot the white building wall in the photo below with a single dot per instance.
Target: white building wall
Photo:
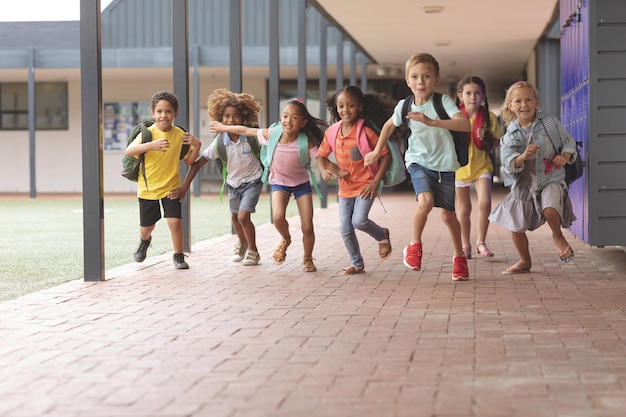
(59, 153)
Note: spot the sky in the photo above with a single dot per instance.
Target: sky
(37, 10)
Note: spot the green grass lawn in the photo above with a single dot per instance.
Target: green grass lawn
(41, 241)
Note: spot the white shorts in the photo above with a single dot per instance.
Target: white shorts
(461, 184)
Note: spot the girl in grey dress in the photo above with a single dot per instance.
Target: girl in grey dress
(535, 170)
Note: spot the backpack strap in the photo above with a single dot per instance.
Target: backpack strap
(146, 136)
(461, 141)
(552, 131)
(303, 155)
(222, 155)
(364, 147)
(222, 160)
(406, 107)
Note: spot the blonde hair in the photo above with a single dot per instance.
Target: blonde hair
(222, 98)
(421, 58)
(507, 114)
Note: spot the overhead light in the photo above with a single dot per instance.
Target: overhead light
(433, 9)
(442, 43)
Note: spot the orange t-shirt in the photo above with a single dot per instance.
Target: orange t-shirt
(349, 158)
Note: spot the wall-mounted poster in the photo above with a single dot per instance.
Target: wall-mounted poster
(120, 119)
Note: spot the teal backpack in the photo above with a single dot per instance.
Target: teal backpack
(267, 153)
(222, 160)
(130, 165)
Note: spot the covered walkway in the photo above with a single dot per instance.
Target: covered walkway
(223, 340)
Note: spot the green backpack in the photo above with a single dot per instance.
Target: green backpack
(222, 160)
(130, 165)
(267, 153)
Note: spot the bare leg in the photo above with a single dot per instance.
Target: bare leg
(454, 227)
(176, 231)
(483, 193)
(247, 229)
(425, 204)
(520, 240)
(463, 211)
(305, 207)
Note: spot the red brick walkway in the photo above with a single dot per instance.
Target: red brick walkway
(223, 340)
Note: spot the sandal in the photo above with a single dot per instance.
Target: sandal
(281, 251)
(483, 250)
(308, 265)
(467, 252)
(353, 270)
(567, 255)
(384, 247)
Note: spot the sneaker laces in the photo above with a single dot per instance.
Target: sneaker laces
(414, 250)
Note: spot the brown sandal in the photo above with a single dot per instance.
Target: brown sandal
(384, 248)
(281, 251)
(308, 265)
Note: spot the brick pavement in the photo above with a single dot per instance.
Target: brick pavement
(223, 340)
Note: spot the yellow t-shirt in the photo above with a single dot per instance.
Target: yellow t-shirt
(479, 162)
(162, 168)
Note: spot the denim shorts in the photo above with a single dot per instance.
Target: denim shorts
(297, 191)
(245, 197)
(440, 184)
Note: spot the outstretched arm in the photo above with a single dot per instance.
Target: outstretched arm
(217, 127)
(458, 122)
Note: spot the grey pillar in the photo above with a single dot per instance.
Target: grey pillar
(31, 123)
(273, 101)
(91, 117)
(548, 75)
(302, 49)
(364, 74)
(196, 107)
(352, 64)
(339, 60)
(323, 87)
(236, 77)
(180, 56)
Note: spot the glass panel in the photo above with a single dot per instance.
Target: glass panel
(119, 120)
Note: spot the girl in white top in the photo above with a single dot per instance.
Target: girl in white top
(287, 175)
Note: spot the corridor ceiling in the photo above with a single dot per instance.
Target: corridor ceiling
(493, 39)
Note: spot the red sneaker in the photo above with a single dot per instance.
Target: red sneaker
(460, 271)
(413, 256)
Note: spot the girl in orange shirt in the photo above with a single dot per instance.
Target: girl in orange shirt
(354, 115)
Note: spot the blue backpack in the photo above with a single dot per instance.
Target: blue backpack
(267, 153)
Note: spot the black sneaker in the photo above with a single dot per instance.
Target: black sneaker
(179, 261)
(140, 254)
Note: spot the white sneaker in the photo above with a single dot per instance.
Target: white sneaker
(240, 251)
(252, 258)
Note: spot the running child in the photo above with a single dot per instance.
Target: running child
(352, 112)
(287, 176)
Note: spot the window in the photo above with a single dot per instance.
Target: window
(50, 106)
(119, 120)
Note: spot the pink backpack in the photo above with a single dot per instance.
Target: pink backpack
(362, 143)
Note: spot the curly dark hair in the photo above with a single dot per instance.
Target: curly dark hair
(222, 98)
(164, 95)
(377, 108)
